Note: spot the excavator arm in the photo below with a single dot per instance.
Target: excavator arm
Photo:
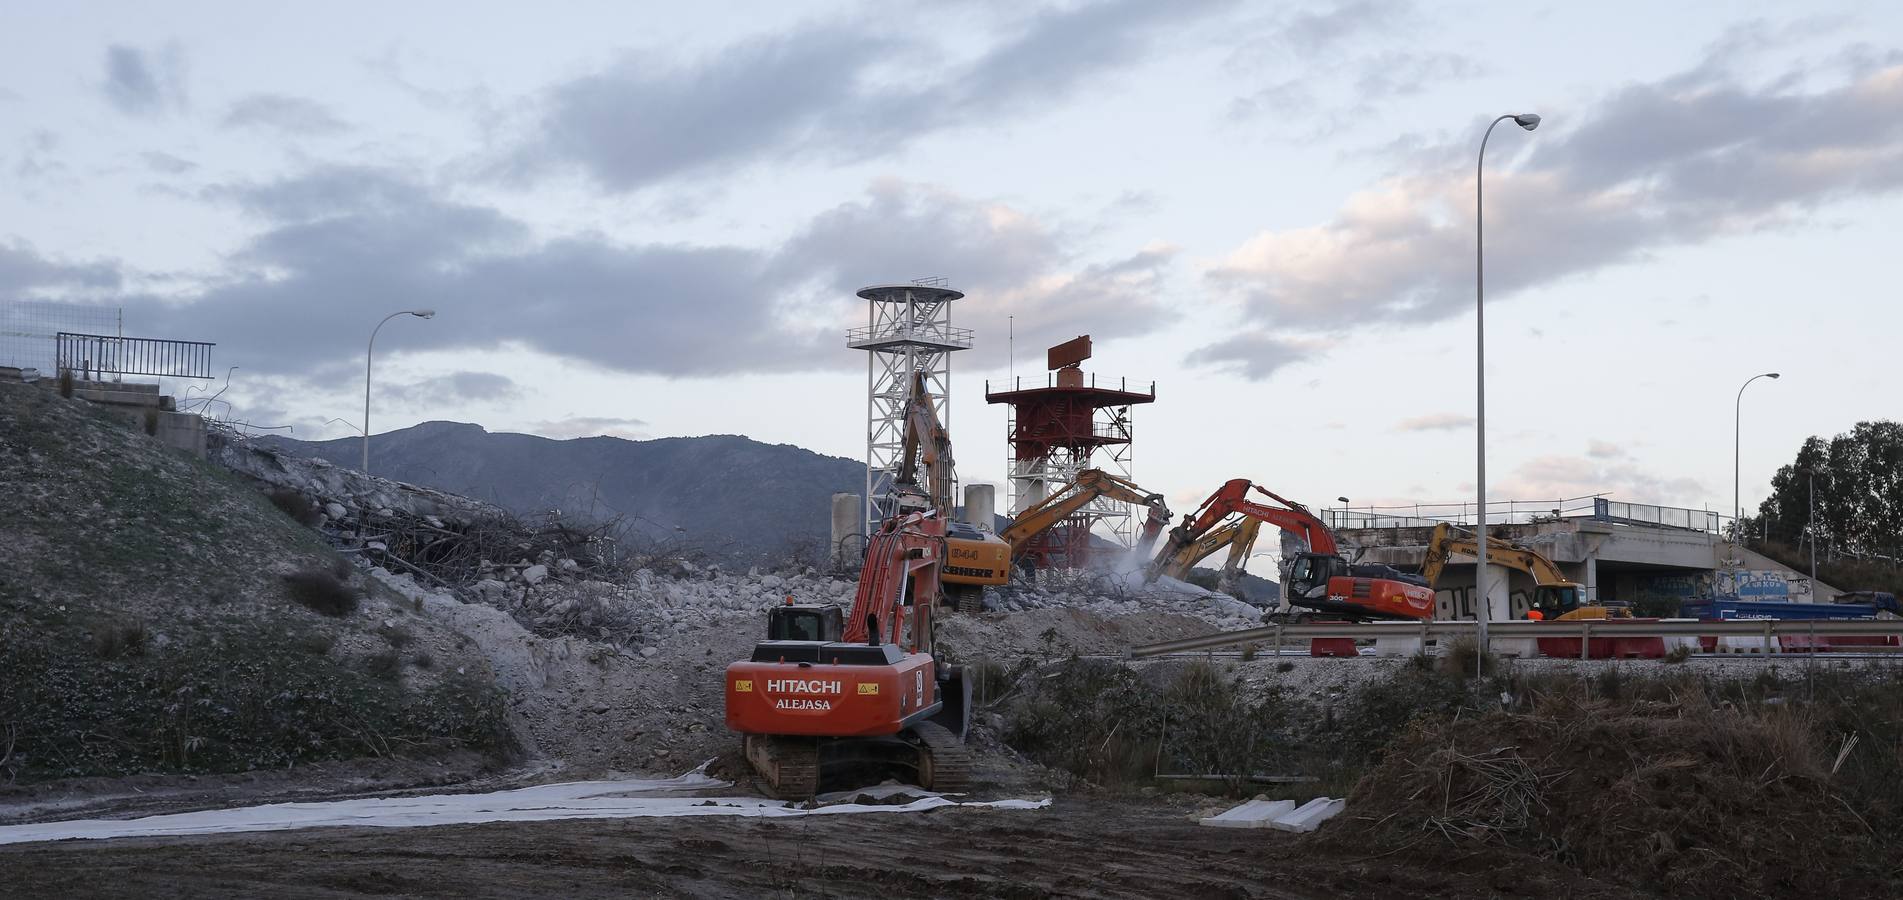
(1233, 499)
(926, 440)
(1237, 534)
(1443, 543)
(900, 578)
(1090, 485)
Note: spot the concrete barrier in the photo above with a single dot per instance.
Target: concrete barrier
(1332, 647)
(1397, 646)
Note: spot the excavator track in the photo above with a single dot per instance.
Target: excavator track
(786, 768)
(944, 763)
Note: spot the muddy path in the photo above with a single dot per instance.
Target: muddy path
(1081, 847)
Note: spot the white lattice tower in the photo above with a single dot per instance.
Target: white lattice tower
(908, 331)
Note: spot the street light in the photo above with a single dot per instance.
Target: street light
(1528, 121)
(1810, 527)
(367, 356)
(1737, 444)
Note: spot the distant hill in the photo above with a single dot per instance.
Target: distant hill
(742, 500)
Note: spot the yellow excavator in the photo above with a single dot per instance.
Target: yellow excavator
(973, 562)
(1238, 534)
(1554, 598)
(927, 445)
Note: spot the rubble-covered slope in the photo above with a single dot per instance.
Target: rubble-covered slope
(146, 624)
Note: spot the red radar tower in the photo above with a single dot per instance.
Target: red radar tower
(1073, 421)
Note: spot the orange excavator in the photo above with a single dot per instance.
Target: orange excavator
(821, 693)
(1318, 580)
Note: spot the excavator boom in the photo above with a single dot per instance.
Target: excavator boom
(1319, 579)
(976, 565)
(1553, 594)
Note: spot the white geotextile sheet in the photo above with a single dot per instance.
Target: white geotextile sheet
(573, 800)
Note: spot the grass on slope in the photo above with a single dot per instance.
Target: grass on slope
(146, 624)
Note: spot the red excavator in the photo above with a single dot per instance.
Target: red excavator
(1319, 579)
(820, 694)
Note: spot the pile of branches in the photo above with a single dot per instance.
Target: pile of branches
(1685, 796)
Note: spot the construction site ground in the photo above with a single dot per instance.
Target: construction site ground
(1090, 845)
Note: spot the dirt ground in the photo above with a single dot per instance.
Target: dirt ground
(1083, 846)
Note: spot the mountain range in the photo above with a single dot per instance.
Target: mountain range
(740, 500)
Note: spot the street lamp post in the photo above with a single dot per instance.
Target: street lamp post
(1810, 527)
(1528, 121)
(1737, 445)
(367, 356)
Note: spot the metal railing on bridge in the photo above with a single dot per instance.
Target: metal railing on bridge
(1767, 629)
(1521, 512)
(92, 355)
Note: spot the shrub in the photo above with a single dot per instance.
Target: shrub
(321, 591)
(423, 660)
(66, 383)
(1462, 659)
(316, 643)
(299, 507)
(384, 664)
(396, 636)
(151, 422)
(1678, 654)
(119, 640)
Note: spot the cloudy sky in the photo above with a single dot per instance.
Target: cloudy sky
(646, 220)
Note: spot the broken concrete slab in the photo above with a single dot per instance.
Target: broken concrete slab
(1253, 814)
(1310, 815)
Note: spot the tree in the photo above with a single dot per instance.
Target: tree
(1859, 477)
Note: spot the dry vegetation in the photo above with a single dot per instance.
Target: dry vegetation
(159, 614)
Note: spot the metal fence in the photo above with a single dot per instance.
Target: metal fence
(1519, 628)
(91, 355)
(1520, 512)
(29, 328)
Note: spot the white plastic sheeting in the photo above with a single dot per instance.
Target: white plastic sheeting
(574, 800)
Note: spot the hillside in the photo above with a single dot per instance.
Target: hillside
(739, 499)
(146, 623)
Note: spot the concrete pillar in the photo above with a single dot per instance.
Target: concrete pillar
(981, 506)
(847, 510)
(1591, 580)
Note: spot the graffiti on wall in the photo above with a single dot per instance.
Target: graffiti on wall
(1748, 584)
(1461, 603)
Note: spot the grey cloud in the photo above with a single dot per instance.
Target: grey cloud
(1253, 355)
(1569, 477)
(469, 387)
(144, 82)
(1313, 32)
(822, 91)
(1649, 168)
(296, 116)
(341, 248)
(1007, 263)
(1598, 449)
(1400, 74)
(166, 163)
(23, 271)
(590, 426)
(1328, 74)
(1437, 422)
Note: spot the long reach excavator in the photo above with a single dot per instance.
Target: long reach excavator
(971, 568)
(866, 691)
(1318, 580)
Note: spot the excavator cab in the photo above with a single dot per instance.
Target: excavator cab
(804, 623)
(1308, 577)
(1554, 601)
